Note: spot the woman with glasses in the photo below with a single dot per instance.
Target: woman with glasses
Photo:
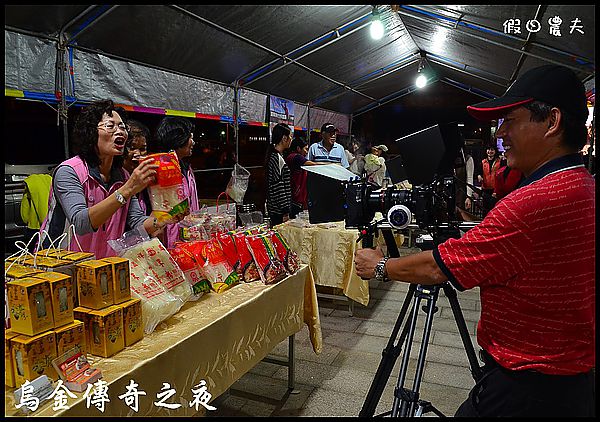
(136, 148)
(91, 191)
(175, 134)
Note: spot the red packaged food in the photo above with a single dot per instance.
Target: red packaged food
(192, 271)
(216, 268)
(270, 268)
(247, 267)
(227, 243)
(285, 254)
(166, 193)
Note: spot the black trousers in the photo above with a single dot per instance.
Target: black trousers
(275, 219)
(502, 392)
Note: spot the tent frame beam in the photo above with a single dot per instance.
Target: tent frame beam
(286, 55)
(486, 40)
(262, 47)
(538, 14)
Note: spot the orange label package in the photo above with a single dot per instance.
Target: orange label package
(61, 291)
(30, 306)
(121, 278)
(32, 357)
(133, 324)
(106, 331)
(71, 336)
(95, 285)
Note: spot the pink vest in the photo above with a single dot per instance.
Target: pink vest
(189, 190)
(94, 192)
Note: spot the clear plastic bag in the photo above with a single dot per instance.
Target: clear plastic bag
(162, 294)
(238, 183)
(166, 193)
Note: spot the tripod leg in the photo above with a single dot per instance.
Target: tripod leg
(431, 296)
(400, 398)
(410, 398)
(389, 356)
(464, 332)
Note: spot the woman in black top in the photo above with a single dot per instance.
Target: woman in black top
(279, 191)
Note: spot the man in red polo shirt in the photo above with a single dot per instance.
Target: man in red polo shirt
(532, 257)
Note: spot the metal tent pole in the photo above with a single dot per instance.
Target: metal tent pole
(268, 50)
(537, 56)
(539, 12)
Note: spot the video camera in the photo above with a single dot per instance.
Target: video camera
(398, 206)
(426, 160)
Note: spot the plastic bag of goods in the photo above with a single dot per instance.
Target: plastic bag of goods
(192, 227)
(216, 268)
(285, 254)
(270, 268)
(227, 242)
(238, 183)
(150, 261)
(157, 261)
(166, 193)
(192, 271)
(158, 304)
(247, 268)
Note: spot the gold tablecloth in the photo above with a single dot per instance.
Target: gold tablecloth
(330, 254)
(217, 339)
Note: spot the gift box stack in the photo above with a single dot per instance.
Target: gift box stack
(112, 318)
(45, 320)
(40, 305)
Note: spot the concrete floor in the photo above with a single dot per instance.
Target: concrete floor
(336, 382)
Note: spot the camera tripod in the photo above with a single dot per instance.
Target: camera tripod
(407, 402)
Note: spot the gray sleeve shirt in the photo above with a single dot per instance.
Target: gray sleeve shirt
(69, 193)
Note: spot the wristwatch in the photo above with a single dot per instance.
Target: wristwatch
(120, 198)
(380, 271)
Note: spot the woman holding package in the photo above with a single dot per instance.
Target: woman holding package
(175, 134)
(91, 191)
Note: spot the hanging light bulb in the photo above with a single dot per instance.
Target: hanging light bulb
(421, 80)
(376, 27)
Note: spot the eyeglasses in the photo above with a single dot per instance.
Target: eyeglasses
(110, 127)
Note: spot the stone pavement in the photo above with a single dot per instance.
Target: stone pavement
(336, 382)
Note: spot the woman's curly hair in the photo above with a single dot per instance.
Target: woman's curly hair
(85, 131)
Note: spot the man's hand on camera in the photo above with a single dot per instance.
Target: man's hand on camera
(365, 261)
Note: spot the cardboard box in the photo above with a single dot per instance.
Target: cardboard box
(54, 253)
(30, 306)
(71, 270)
(94, 284)
(32, 356)
(61, 291)
(81, 313)
(71, 336)
(121, 278)
(9, 371)
(133, 324)
(106, 331)
(45, 263)
(14, 271)
(18, 271)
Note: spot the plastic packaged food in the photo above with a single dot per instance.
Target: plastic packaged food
(270, 268)
(247, 267)
(166, 193)
(227, 242)
(192, 271)
(158, 304)
(216, 268)
(285, 254)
